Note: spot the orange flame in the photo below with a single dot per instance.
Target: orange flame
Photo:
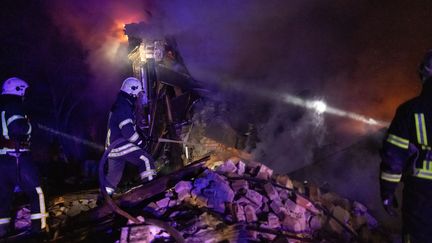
(119, 33)
(98, 25)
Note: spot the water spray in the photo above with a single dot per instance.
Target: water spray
(71, 137)
(95, 145)
(320, 107)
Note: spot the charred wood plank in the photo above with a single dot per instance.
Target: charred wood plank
(137, 195)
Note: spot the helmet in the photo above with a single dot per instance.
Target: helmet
(425, 69)
(132, 86)
(14, 86)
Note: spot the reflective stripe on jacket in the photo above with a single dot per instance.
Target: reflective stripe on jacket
(406, 149)
(121, 125)
(15, 126)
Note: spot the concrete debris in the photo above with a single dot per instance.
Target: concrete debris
(238, 201)
(227, 167)
(238, 185)
(141, 233)
(272, 221)
(241, 168)
(68, 206)
(271, 192)
(340, 215)
(263, 205)
(264, 172)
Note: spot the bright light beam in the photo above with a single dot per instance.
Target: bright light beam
(321, 107)
(317, 105)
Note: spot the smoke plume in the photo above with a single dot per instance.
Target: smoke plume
(359, 56)
(340, 52)
(98, 26)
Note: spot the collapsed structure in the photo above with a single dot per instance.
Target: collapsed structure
(209, 189)
(220, 201)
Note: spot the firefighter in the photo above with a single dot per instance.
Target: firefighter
(121, 126)
(18, 173)
(407, 156)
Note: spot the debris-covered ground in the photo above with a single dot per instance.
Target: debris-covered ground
(225, 197)
(227, 201)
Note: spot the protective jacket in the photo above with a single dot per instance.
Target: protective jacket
(407, 156)
(121, 125)
(16, 128)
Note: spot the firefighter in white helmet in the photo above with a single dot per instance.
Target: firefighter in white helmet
(18, 173)
(121, 126)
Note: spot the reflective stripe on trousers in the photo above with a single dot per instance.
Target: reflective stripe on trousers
(4, 220)
(43, 214)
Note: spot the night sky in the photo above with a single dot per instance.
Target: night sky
(360, 56)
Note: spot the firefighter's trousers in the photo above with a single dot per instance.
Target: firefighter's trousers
(417, 210)
(139, 158)
(28, 184)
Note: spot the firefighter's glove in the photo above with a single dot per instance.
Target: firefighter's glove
(390, 205)
(146, 141)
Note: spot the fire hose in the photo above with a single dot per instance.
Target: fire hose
(102, 185)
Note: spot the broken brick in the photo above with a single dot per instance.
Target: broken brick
(277, 206)
(253, 165)
(264, 173)
(183, 189)
(284, 194)
(273, 221)
(267, 236)
(314, 192)
(315, 222)
(250, 214)
(163, 203)
(239, 213)
(293, 224)
(227, 167)
(284, 181)
(342, 216)
(305, 203)
(294, 210)
(241, 168)
(254, 196)
(271, 191)
(201, 183)
(236, 185)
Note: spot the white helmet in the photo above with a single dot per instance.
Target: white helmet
(14, 86)
(132, 86)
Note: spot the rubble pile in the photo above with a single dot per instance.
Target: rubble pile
(68, 206)
(239, 201)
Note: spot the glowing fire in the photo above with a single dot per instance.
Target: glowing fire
(98, 26)
(119, 33)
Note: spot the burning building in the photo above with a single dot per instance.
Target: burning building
(187, 122)
(209, 187)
